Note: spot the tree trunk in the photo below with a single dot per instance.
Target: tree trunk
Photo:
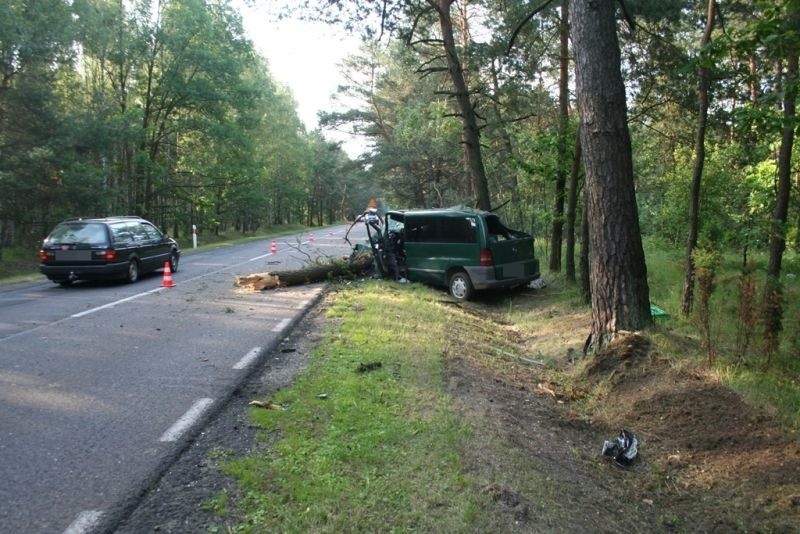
(313, 272)
(557, 235)
(699, 161)
(773, 309)
(572, 207)
(620, 294)
(471, 133)
(516, 218)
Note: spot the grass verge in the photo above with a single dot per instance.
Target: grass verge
(366, 439)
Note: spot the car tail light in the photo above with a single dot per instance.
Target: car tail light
(486, 258)
(108, 254)
(46, 256)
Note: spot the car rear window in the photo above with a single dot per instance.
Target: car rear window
(79, 233)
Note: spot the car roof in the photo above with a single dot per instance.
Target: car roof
(104, 219)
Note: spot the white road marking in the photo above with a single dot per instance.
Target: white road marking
(302, 304)
(281, 325)
(267, 255)
(187, 420)
(112, 304)
(85, 522)
(248, 358)
(128, 299)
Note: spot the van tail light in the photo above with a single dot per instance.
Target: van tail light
(486, 258)
(108, 254)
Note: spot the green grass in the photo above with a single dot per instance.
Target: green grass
(384, 451)
(364, 451)
(770, 382)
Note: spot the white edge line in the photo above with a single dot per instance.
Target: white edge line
(84, 522)
(112, 304)
(302, 304)
(248, 358)
(267, 255)
(187, 420)
(281, 325)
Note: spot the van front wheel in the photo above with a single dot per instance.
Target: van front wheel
(460, 286)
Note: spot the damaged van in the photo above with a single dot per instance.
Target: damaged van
(462, 249)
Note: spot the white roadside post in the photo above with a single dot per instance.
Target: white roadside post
(194, 236)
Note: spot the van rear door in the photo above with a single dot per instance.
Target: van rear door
(512, 251)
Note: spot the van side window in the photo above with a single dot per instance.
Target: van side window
(419, 230)
(441, 230)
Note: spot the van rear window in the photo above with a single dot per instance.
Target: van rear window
(440, 230)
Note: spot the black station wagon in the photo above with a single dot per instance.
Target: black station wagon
(106, 248)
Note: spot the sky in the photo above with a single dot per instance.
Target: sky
(305, 57)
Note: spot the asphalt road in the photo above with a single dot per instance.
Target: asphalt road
(103, 384)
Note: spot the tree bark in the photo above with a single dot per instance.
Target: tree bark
(703, 83)
(620, 293)
(586, 249)
(314, 272)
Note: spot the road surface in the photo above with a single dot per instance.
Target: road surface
(103, 384)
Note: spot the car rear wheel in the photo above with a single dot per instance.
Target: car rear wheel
(133, 271)
(173, 262)
(460, 286)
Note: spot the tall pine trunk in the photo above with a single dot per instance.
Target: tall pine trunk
(773, 308)
(572, 208)
(699, 161)
(470, 132)
(620, 293)
(557, 235)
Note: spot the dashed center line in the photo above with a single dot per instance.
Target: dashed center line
(187, 420)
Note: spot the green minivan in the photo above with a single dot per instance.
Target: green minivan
(463, 249)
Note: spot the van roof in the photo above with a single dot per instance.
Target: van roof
(441, 212)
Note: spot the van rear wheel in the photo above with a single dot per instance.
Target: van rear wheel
(460, 286)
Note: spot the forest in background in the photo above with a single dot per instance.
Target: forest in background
(164, 109)
(160, 109)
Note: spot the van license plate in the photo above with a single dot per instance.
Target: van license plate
(516, 270)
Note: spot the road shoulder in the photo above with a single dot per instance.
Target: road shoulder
(179, 502)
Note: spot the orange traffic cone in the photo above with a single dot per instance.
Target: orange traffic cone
(273, 248)
(167, 282)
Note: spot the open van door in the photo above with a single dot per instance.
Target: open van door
(512, 250)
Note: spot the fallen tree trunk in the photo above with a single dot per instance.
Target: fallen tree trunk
(315, 272)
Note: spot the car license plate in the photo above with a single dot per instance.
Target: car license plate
(73, 255)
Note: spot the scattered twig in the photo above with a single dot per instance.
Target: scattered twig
(268, 405)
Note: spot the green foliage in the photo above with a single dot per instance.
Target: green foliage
(109, 107)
